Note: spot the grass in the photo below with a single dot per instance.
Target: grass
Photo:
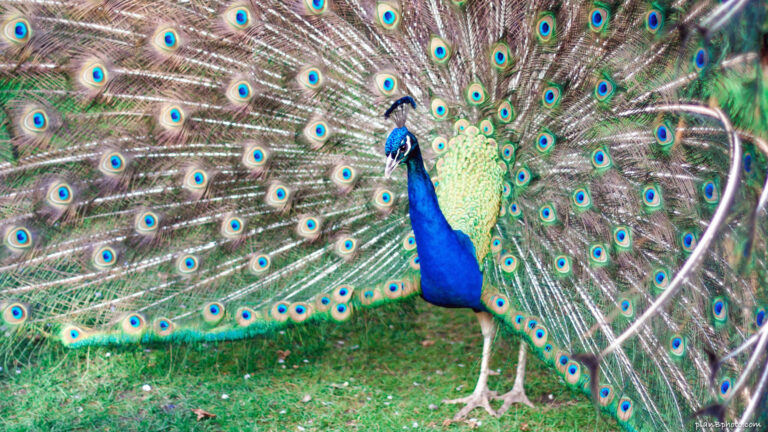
(384, 371)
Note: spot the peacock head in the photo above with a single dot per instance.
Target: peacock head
(400, 142)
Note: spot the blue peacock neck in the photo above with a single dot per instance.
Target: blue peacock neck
(450, 276)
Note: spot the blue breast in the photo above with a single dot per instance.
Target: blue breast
(450, 275)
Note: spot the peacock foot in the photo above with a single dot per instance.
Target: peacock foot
(478, 399)
(516, 395)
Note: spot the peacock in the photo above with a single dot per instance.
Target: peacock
(588, 177)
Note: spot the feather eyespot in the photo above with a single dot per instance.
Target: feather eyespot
(346, 246)
(652, 198)
(112, 163)
(245, 316)
(342, 293)
(439, 50)
(514, 210)
(59, 194)
(581, 199)
(700, 59)
(622, 238)
(15, 314)
(238, 17)
(548, 214)
(506, 190)
(187, 264)
(711, 192)
(660, 280)
(677, 346)
(654, 21)
(35, 121)
(475, 94)
(496, 244)
(598, 255)
(486, 126)
(240, 92)
(18, 239)
(94, 75)
(545, 27)
(508, 263)
(279, 311)
(725, 388)
(688, 240)
(259, 264)
(17, 30)
(760, 317)
(341, 312)
(104, 257)
(500, 56)
(278, 195)
(172, 117)
(146, 222)
(255, 158)
(163, 326)
(308, 227)
(316, 7)
(439, 109)
(522, 177)
(719, 310)
(195, 180)
(311, 78)
(344, 177)
(572, 372)
(601, 160)
(388, 15)
(71, 334)
(133, 324)
(550, 97)
(409, 242)
(505, 113)
(461, 125)
(598, 19)
(747, 161)
(232, 227)
(563, 265)
(604, 90)
(508, 152)
(213, 312)
(386, 83)
(439, 144)
(317, 133)
(624, 409)
(539, 336)
(545, 142)
(383, 199)
(665, 135)
(626, 307)
(166, 40)
(605, 395)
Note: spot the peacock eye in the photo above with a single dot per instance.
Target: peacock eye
(166, 40)
(310, 78)
(439, 50)
(94, 75)
(17, 31)
(388, 16)
(238, 17)
(316, 7)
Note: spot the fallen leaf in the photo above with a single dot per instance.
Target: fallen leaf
(427, 343)
(493, 373)
(306, 398)
(524, 427)
(282, 355)
(203, 414)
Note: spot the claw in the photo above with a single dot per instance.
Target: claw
(478, 399)
(516, 395)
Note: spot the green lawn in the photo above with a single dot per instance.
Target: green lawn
(382, 371)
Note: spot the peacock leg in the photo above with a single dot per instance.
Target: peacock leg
(481, 396)
(517, 394)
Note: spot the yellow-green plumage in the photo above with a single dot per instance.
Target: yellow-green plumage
(469, 186)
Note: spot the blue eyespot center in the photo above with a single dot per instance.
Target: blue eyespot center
(621, 235)
(604, 392)
(676, 342)
(63, 192)
(242, 90)
(189, 262)
(509, 262)
(74, 334)
(115, 162)
(709, 190)
(149, 221)
(311, 224)
(661, 132)
(282, 309)
(134, 321)
(170, 39)
(389, 17)
(38, 119)
(343, 292)
(318, 4)
(500, 57)
(625, 305)
(20, 30)
(235, 224)
(17, 312)
(21, 236)
(258, 155)
(602, 88)
(500, 302)
(580, 197)
(325, 300)
(214, 309)
(561, 262)
(650, 195)
(598, 252)
(718, 307)
(701, 58)
(241, 17)
(597, 18)
(107, 256)
(198, 178)
(544, 28)
(280, 193)
(313, 77)
(320, 130)
(348, 245)
(440, 110)
(625, 406)
(385, 197)
(539, 333)
(97, 74)
(389, 83)
(572, 370)
(300, 310)
(440, 52)
(660, 276)
(175, 115)
(688, 240)
(563, 360)
(725, 386)
(262, 262)
(760, 319)
(748, 163)
(549, 96)
(653, 20)
(341, 308)
(164, 325)
(393, 287)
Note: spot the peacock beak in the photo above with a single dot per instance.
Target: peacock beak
(391, 164)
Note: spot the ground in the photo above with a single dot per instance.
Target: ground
(382, 371)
